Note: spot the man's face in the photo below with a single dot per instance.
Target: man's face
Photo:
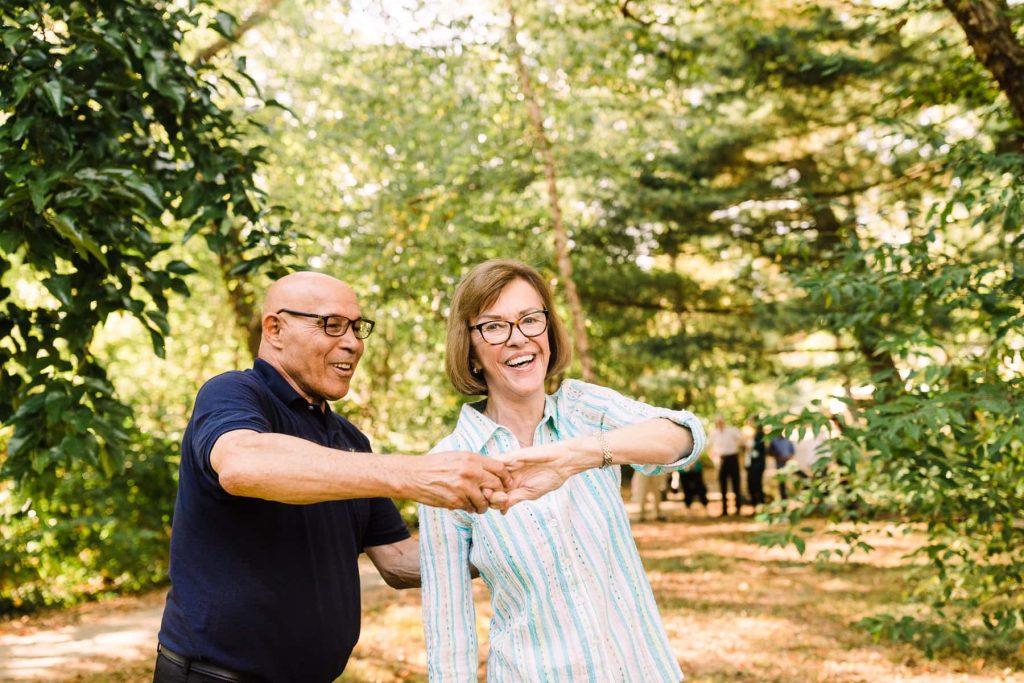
(318, 365)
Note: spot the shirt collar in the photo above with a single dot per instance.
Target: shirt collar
(478, 429)
(280, 387)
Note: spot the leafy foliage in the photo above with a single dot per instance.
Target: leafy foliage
(781, 201)
(111, 143)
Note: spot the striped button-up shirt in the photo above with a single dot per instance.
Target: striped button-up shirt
(569, 596)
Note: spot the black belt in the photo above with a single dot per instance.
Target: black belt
(201, 667)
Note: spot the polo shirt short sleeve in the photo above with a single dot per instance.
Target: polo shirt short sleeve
(265, 588)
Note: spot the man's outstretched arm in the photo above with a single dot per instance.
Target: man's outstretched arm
(288, 469)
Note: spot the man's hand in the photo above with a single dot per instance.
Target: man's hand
(458, 480)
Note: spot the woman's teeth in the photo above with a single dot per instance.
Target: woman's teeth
(519, 361)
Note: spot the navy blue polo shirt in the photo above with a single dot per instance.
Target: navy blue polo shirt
(264, 588)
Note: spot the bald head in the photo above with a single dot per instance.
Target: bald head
(304, 290)
(295, 341)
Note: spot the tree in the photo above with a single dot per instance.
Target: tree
(989, 29)
(113, 146)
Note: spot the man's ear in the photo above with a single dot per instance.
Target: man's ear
(272, 330)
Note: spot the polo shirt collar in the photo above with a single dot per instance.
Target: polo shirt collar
(478, 429)
(280, 387)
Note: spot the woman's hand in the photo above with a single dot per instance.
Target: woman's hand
(541, 469)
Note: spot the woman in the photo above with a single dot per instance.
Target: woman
(569, 596)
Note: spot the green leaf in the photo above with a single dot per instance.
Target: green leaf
(55, 93)
(18, 443)
(60, 287)
(56, 402)
(226, 24)
(146, 191)
(20, 127)
(161, 321)
(106, 462)
(83, 243)
(37, 188)
(13, 37)
(157, 340)
(179, 268)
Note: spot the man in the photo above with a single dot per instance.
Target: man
(278, 495)
(725, 443)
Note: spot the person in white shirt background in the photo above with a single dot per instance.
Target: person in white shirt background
(726, 443)
(569, 595)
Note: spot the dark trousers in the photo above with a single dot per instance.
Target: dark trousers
(755, 481)
(171, 668)
(729, 471)
(693, 487)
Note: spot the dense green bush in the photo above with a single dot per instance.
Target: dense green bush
(92, 535)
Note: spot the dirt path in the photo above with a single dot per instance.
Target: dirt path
(108, 641)
(735, 613)
(92, 639)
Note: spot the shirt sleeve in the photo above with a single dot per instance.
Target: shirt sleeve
(385, 525)
(602, 409)
(224, 404)
(449, 616)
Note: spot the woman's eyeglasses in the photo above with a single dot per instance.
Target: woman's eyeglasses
(500, 331)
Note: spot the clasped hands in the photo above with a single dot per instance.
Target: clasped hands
(481, 483)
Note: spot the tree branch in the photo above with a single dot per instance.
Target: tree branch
(253, 19)
(628, 14)
(546, 154)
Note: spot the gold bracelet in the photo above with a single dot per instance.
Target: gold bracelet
(606, 453)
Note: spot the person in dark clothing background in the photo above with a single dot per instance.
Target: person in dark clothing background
(756, 461)
(782, 449)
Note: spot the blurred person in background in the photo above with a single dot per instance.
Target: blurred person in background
(726, 444)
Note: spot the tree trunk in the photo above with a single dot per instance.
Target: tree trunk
(240, 290)
(557, 225)
(987, 26)
(242, 296)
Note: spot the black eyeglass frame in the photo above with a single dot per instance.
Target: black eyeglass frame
(512, 325)
(354, 324)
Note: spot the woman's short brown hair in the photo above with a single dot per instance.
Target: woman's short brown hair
(479, 289)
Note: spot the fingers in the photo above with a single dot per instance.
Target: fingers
(476, 481)
(499, 501)
(497, 469)
(477, 501)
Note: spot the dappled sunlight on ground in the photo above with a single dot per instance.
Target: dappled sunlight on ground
(735, 612)
(738, 612)
(110, 641)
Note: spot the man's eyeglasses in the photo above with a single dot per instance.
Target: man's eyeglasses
(500, 331)
(337, 325)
